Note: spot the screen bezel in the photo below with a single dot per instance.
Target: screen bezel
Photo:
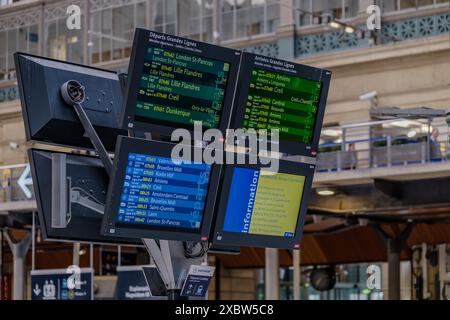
(126, 145)
(257, 240)
(140, 45)
(299, 70)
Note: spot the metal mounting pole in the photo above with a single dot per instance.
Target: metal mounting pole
(272, 274)
(33, 242)
(172, 264)
(1, 263)
(394, 250)
(119, 255)
(19, 250)
(73, 93)
(92, 134)
(394, 247)
(75, 254)
(91, 256)
(297, 274)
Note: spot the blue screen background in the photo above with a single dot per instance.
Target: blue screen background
(238, 214)
(158, 192)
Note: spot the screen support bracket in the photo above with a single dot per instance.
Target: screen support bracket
(77, 197)
(172, 264)
(63, 194)
(92, 134)
(73, 93)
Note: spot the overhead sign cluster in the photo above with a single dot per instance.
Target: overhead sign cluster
(174, 83)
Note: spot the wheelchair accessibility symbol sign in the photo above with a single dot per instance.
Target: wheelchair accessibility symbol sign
(197, 281)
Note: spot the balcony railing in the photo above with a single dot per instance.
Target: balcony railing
(391, 31)
(383, 144)
(377, 157)
(9, 92)
(392, 146)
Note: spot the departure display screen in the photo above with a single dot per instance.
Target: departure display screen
(177, 88)
(263, 203)
(285, 102)
(160, 193)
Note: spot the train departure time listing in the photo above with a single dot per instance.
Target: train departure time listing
(177, 87)
(158, 192)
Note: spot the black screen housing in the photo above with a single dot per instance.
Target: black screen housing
(84, 172)
(111, 226)
(145, 38)
(48, 119)
(252, 61)
(225, 238)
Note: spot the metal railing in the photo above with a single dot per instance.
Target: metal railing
(359, 146)
(375, 157)
(383, 144)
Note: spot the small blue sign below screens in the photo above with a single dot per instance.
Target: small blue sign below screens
(159, 192)
(197, 281)
(196, 286)
(54, 285)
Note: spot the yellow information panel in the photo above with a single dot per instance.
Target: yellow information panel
(277, 202)
(264, 203)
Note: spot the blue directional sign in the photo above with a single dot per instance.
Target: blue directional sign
(131, 283)
(62, 284)
(197, 281)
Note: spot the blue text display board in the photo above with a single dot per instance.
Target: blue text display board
(160, 193)
(131, 283)
(62, 284)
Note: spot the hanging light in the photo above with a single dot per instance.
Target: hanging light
(349, 29)
(335, 24)
(325, 192)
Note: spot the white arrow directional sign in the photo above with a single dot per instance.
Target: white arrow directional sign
(37, 290)
(25, 181)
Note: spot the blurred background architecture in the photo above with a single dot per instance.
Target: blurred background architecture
(375, 176)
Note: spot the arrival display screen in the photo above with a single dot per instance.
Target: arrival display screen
(284, 102)
(152, 195)
(263, 208)
(173, 82)
(281, 95)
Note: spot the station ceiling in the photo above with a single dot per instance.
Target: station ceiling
(354, 245)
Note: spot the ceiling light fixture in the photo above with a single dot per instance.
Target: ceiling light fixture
(325, 192)
(349, 29)
(335, 24)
